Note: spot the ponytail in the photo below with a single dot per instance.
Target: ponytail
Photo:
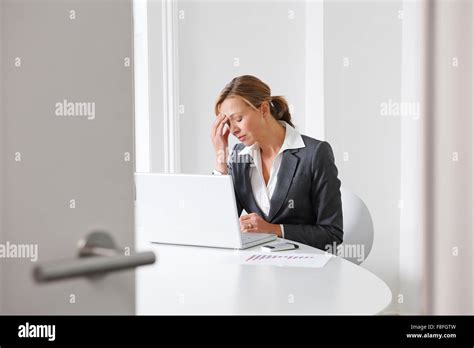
(279, 108)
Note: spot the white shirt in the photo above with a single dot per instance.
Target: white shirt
(263, 193)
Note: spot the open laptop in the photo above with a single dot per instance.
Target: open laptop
(190, 209)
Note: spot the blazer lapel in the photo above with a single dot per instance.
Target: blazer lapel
(288, 166)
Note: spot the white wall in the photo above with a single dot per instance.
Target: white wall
(410, 294)
(314, 60)
(155, 54)
(268, 38)
(2, 154)
(368, 35)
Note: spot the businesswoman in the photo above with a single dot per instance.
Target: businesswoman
(285, 181)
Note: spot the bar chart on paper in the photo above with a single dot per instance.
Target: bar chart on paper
(287, 260)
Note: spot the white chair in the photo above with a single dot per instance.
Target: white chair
(358, 228)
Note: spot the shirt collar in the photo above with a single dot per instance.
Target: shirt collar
(293, 140)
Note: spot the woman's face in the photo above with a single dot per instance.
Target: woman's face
(244, 121)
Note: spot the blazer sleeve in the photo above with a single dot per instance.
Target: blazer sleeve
(327, 206)
(231, 173)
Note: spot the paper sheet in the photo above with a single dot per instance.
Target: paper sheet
(285, 260)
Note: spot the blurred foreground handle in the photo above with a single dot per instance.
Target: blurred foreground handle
(98, 255)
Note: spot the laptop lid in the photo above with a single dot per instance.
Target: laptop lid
(187, 209)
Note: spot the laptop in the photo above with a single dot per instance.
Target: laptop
(186, 209)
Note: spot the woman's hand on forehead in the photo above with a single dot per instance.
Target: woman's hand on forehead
(228, 117)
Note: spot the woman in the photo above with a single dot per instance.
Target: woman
(286, 181)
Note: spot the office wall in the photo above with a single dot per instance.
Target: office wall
(410, 297)
(362, 59)
(449, 166)
(2, 154)
(216, 41)
(155, 76)
(314, 70)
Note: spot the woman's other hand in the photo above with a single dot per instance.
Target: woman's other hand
(254, 223)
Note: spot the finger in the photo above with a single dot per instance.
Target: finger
(248, 226)
(248, 229)
(215, 124)
(217, 120)
(226, 130)
(251, 218)
(245, 217)
(218, 126)
(252, 230)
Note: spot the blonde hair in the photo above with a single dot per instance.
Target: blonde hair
(254, 92)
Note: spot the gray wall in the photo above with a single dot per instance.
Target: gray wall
(67, 157)
(369, 35)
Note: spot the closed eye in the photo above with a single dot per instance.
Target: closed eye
(235, 118)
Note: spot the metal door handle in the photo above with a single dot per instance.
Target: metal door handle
(98, 254)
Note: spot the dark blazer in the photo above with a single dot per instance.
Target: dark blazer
(306, 200)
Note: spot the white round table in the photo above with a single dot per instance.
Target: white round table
(187, 280)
